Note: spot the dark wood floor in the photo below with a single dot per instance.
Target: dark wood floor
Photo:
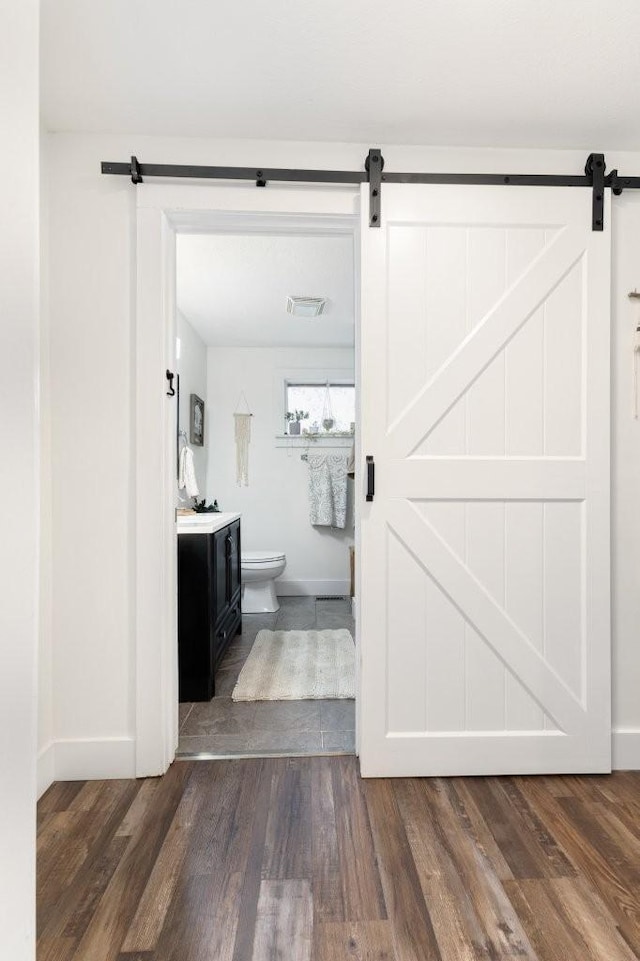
(297, 858)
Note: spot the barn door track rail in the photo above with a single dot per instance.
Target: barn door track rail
(594, 176)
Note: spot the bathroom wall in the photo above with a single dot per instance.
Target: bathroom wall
(275, 506)
(192, 367)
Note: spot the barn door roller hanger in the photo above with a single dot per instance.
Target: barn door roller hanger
(594, 176)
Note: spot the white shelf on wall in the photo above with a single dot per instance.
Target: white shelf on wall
(314, 440)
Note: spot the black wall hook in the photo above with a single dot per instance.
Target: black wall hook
(171, 392)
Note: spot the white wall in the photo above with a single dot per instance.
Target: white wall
(45, 644)
(90, 305)
(19, 487)
(91, 289)
(625, 484)
(193, 380)
(275, 505)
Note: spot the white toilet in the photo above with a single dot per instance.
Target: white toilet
(259, 571)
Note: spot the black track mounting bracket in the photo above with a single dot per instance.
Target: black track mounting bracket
(616, 182)
(136, 176)
(374, 165)
(595, 168)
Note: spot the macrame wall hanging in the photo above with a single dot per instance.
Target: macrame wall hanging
(242, 420)
(328, 420)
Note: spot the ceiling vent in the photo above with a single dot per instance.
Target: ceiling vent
(306, 306)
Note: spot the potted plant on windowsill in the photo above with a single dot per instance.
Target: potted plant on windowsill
(293, 419)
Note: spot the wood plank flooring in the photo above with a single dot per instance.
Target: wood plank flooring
(299, 859)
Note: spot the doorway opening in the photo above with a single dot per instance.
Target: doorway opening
(267, 419)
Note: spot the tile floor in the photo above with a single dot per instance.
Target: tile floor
(222, 727)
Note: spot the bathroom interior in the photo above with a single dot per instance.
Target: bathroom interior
(265, 492)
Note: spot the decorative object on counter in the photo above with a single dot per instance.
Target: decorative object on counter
(197, 420)
(328, 420)
(294, 417)
(201, 507)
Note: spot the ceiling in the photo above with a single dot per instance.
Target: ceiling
(233, 288)
(548, 73)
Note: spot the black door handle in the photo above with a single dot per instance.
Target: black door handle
(371, 477)
(171, 392)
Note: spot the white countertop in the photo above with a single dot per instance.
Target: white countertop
(204, 523)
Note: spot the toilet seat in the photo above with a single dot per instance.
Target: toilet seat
(247, 558)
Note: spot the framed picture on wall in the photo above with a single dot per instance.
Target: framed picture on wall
(197, 421)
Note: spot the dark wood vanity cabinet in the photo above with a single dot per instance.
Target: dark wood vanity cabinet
(209, 610)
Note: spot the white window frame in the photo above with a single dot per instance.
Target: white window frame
(327, 382)
(307, 375)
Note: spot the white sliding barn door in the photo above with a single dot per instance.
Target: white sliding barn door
(484, 555)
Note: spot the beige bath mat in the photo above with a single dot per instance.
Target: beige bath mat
(298, 665)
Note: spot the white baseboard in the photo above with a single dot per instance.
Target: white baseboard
(308, 588)
(95, 759)
(45, 768)
(107, 758)
(626, 749)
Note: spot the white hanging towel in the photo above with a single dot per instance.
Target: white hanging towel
(186, 473)
(328, 490)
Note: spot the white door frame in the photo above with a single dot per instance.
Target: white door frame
(163, 211)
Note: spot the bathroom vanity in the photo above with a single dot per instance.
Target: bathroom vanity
(209, 608)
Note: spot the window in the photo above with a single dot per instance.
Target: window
(322, 403)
